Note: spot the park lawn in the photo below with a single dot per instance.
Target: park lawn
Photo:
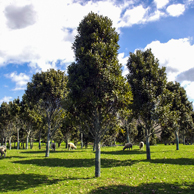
(122, 172)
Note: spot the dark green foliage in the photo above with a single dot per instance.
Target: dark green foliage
(49, 87)
(167, 134)
(148, 83)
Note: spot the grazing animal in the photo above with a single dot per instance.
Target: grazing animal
(128, 145)
(141, 145)
(71, 146)
(3, 150)
(53, 146)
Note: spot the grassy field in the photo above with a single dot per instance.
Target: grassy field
(122, 172)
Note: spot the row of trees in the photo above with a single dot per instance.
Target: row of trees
(95, 98)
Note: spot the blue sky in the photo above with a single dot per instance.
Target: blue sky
(37, 35)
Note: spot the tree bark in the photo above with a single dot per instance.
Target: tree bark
(177, 140)
(31, 143)
(48, 140)
(27, 139)
(67, 141)
(81, 140)
(97, 159)
(18, 140)
(40, 140)
(147, 145)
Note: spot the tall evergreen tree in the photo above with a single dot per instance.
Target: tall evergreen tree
(97, 87)
(148, 83)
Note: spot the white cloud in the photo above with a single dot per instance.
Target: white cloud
(177, 56)
(133, 16)
(176, 10)
(161, 3)
(41, 32)
(156, 16)
(123, 61)
(189, 89)
(5, 99)
(20, 80)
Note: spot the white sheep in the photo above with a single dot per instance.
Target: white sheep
(128, 145)
(3, 150)
(71, 146)
(141, 145)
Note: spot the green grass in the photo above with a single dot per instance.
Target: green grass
(122, 172)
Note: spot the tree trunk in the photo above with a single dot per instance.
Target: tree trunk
(48, 140)
(10, 143)
(18, 140)
(81, 140)
(27, 139)
(31, 143)
(147, 144)
(67, 141)
(86, 142)
(40, 140)
(97, 159)
(177, 140)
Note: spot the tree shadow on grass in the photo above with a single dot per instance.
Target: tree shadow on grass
(178, 161)
(126, 152)
(51, 152)
(19, 182)
(72, 163)
(13, 182)
(152, 188)
(9, 157)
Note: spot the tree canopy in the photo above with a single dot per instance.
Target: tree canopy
(97, 88)
(148, 83)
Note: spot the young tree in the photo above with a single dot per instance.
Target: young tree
(7, 122)
(30, 118)
(148, 83)
(47, 90)
(15, 108)
(97, 87)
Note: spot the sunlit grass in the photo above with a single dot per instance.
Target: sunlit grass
(169, 171)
